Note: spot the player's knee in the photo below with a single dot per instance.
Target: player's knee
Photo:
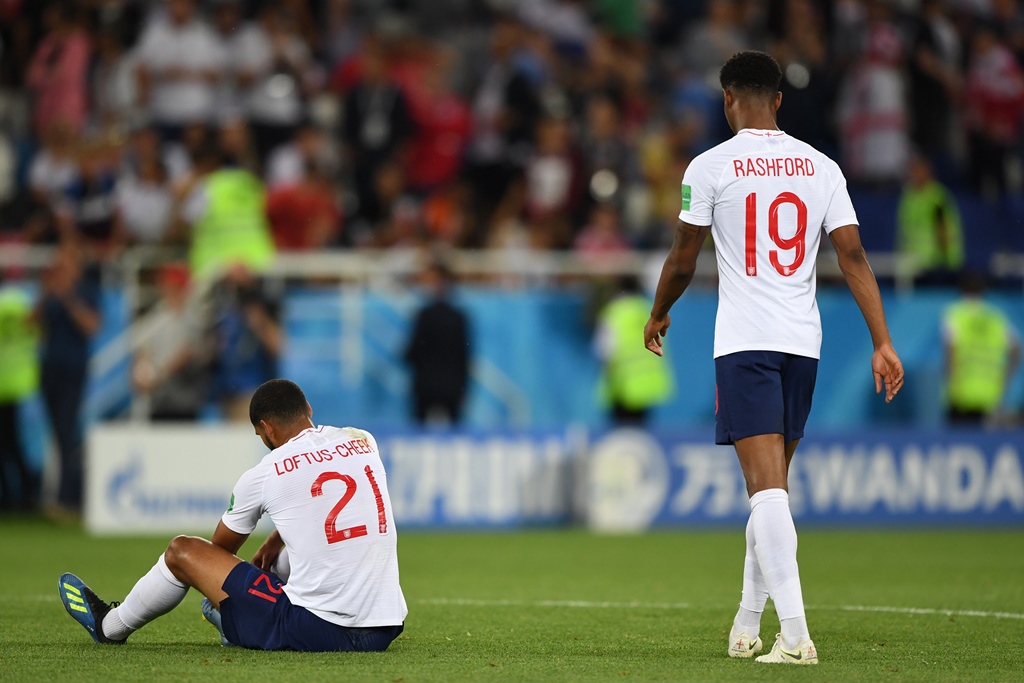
(178, 550)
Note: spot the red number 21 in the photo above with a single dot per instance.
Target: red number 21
(335, 535)
(796, 243)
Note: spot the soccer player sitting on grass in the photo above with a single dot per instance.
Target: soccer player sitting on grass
(335, 545)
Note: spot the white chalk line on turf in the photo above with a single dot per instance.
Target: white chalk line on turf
(588, 604)
(683, 606)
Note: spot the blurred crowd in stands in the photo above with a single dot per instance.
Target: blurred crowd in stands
(534, 123)
(225, 131)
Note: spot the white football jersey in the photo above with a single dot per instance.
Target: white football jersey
(327, 494)
(767, 197)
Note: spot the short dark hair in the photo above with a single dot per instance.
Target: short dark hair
(278, 401)
(753, 72)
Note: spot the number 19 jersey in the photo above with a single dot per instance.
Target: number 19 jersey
(327, 494)
(766, 196)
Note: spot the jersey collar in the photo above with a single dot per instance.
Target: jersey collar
(305, 431)
(762, 133)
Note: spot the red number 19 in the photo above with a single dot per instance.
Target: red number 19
(797, 243)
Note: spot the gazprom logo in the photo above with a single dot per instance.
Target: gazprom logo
(627, 481)
(130, 493)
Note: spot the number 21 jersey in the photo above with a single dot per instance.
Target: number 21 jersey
(326, 492)
(767, 197)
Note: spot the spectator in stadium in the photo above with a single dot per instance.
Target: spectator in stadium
(234, 137)
(506, 109)
(928, 226)
(304, 215)
(114, 82)
(180, 155)
(274, 69)
(936, 82)
(807, 70)
(289, 162)
(872, 105)
(228, 22)
(224, 214)
(377, 127)
(982, 353)
(342, 33)
(439, 352)
(603, 233)
(634, 381)
(68, 312)
(171, 367)
(552, 186)
(88, 212)
(54, 167)
(995, 103)
(144, 199)
(181, 61)
(608, 159)
(247, 339)
(19, 379)
(59, 71)
(442, 127)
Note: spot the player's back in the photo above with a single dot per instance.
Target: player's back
(767, 197)
(326, 492)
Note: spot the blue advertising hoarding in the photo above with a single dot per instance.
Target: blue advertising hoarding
(141, 479)
(630, 479)
(871, 478)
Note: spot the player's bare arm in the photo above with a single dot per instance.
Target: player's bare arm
(676, 275)
(269, 551)
(229, 540)
(885, 363)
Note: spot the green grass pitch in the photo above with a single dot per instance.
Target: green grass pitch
(561, 606)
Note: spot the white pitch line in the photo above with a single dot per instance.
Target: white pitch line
(554, 603)
(684, 605)
(588, 604)
(925, 610)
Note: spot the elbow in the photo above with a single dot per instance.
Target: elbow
(683, 268)
(852, 258)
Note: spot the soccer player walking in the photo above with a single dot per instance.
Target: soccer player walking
(766, 197)
(335, 545)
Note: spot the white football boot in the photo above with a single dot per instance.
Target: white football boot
(741, 646)
(805, 654)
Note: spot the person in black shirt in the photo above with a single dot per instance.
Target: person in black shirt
(439, 353)
(68, 313)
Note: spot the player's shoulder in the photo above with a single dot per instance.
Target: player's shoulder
(346, 433)
(821, 160)
(711, 162)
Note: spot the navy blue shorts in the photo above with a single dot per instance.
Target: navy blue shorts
(762, 392)
(258, 614)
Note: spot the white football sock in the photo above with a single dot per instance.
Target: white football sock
(775, 547)
(755, 591)
(155, 594)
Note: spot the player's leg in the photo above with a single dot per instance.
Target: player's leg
(774, 530)
(749, 408)
(188, 561)
(744, 636)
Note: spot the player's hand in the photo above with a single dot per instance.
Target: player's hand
(887, 369)
(268, 553)
(654, 330)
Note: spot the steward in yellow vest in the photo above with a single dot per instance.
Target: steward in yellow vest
(635, 380)
(227, 211)
(19, 379)
(982, 353)
(928, 227)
